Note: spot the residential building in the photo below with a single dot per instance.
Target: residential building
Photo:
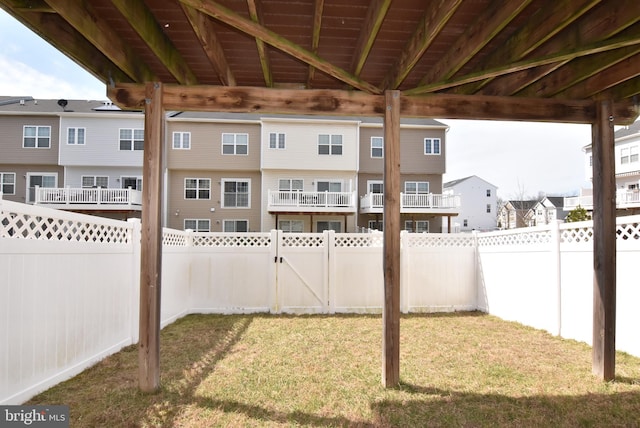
(83, 156)
(627, 169)
(546, 211)
(223, 172)
(513, 214)
(479, 209)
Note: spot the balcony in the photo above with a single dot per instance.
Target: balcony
(103, 199)
(625, 199)
(424, 203)
(320, 202)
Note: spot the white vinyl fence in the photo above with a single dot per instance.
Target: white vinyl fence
(69, 283)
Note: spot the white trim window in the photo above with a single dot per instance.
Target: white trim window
(628, 155)
(328, 186)
(131, 139)
(235, 144)
(330, 144)
(181, 140)
(375, 186)
(432, 146)
(197, 188)
(416, 187)
(36, 137)
(290, 185)
(488, 208)
(291, 226)
(135, 183)
(277, 140)
(197, 224)
(376, 225)
(421, 226)
(377, 147)
(76, 136)
(336, 226)
(236, 193)
(8, 183)
(93, 181)
(235, 225)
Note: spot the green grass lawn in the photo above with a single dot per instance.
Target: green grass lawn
(457, 370)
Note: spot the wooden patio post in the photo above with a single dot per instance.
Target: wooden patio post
(391, 237)
(151, 245)
(604, 243)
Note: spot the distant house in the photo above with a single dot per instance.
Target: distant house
(479, 207)
(513, 214)
(627, 167)
(546, 211)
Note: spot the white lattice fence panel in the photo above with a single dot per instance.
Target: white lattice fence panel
(174, 238)
(628, 231)
(526, 237)
(240, 240)
(359, 240)
(303, 240)
(579, 235)
(434, 240)
(28, 226)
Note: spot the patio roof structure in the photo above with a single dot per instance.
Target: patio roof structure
(569, 61)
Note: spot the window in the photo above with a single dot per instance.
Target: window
(276, 140)
(633, 156)
(375, 186)
(420, 226)
(38, 137)
(465, 223)
(76, 136)
(8, 183)
(624, 155)
(235, 144)
(488, 208)
(291, 226)
(290, 185)
(416, 187)
(328, 186)
(375, 225)
(135, 183)
(132, 139)
(376, 147)
(197, 224)
(236, 225)
(329, 144)
(48, 180)
(488, 193)
(432, 146)
(236, 194)
(182, 140)
(93, 181)
(197, 188)
(321, 226)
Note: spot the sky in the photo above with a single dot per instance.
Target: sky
(522, 159)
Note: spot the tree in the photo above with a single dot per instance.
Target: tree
(577, 214)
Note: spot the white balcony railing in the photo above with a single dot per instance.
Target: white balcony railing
(87, 197)
(624, 199)
(410, 202)
(311, 201)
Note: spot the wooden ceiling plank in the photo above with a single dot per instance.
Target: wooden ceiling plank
(83, 18)
(628, 89)
(253, 29)
(541, 27)
(558, 57)
(354, 103)
(256, 16)
(204, 30)
(32, 6)
(373, 21)
(144, 23)
(602, 22)
(315, 38)
(55, 30)
(429, 27)
(486, 27)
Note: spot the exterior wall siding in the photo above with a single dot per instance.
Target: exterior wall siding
(22, 171)
(73, 175)
(11, 133)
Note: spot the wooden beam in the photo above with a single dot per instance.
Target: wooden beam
(490, 22)
(258, 31)
(55, 30)
(353, 103)
(368, 33)
(144, 23)
(151, 241)
(204, 30)
(315, 38)
(604, 243)
(263, 54)
(428, 29)
(82, 17)
(391, 239)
